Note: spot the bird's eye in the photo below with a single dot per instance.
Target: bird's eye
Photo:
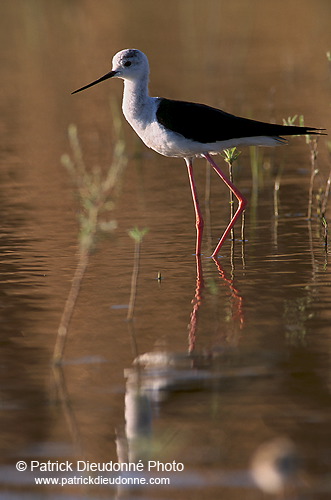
(127, 63)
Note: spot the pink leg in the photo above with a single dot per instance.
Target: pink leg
(241, 206)
(198, 215)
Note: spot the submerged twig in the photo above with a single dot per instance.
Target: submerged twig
(62, 396)
(69, 307)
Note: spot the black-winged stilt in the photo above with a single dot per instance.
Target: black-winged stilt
(189, 130)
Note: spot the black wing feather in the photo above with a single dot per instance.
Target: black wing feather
(205, 124)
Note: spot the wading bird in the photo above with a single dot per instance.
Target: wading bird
(189, 130)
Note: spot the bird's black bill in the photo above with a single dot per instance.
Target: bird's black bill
(104, 77)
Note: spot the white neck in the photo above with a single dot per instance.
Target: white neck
(135, 98)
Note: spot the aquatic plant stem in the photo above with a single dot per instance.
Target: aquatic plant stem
(96, 193)
(137, 235)
(230, 156)
(313, 158)
(326, 195)
(326, 232)
(134, 280)
(276, 192)
(231, 197)
(243, 239)
(207, 207)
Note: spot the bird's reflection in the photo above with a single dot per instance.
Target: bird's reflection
(196, 302)
(156, 374)
(236, 301)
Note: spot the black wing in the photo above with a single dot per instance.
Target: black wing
(205, 124)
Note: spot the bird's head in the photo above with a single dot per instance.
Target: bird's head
(128, 64)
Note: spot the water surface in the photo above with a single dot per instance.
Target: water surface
(228, 360)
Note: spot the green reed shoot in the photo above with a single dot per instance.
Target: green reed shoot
(96, 192)
(137, 235)
(230, 156)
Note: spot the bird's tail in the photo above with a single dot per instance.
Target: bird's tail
(295, 130)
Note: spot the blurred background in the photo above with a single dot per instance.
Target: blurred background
(228, 360)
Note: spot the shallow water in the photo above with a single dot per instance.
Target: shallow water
(229, 359)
